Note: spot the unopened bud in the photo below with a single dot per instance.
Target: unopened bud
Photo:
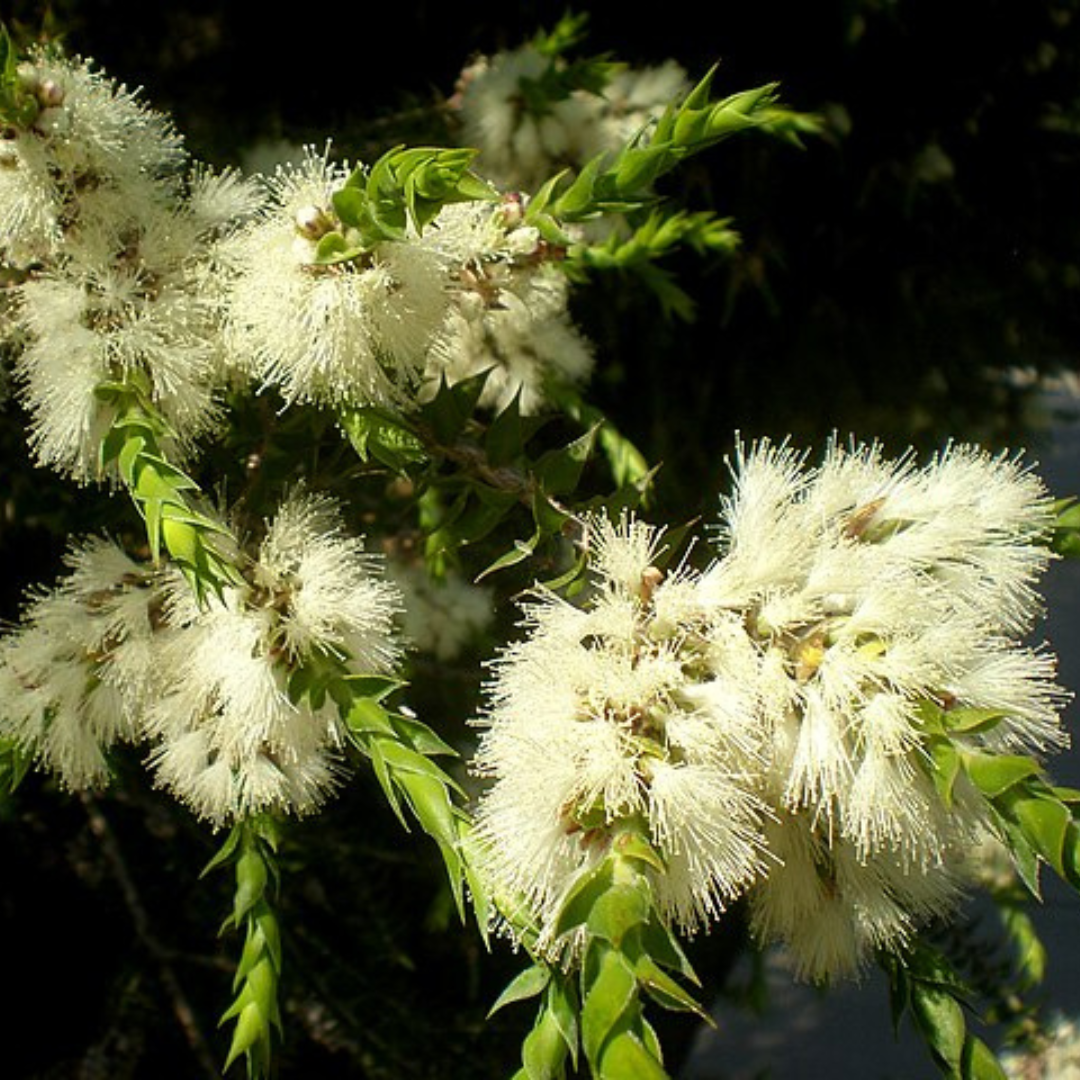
(50, 94)
(313, 222)
(513, 209)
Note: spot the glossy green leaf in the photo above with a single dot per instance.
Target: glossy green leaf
(946, 765)
(544, 1051)
(940, 1018)
(1045, 823)
(994, 774)
(968, 720)
(367, 716)
(562, 1004)
(627, 1058)
(980, 1063)
(558, 471)
(665, 990)
(619, 909)
(526, 984)
(611, 991)
(580, 898)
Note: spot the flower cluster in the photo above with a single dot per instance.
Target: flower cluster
(108, 239)
(120, 652)
(129, 261)
(766, 716)
(1055, 1055)
(509, 311)
(355, 332)
(530, 117)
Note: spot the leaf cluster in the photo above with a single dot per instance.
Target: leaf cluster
(626, 953)
(405, 188)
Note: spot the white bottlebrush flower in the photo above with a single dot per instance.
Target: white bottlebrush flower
(76, 675)
(595, 716)
(871, 589)
(518, 148)
(328, 592)
(634, 98)
(509, 310)
(228, 740)
(832, 906)
(127, 296)
(440, 616)
(1053, 1054)
(88, 133)
(352, 333)
(524, 136)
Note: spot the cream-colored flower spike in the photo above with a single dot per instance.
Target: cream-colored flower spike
(611, 710)
(227, 739)
(355, 333)
(871, 588)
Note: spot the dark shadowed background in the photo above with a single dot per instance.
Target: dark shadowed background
(897, 276)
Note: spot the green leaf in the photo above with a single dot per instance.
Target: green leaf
(665, 990)
(377, 434)
(1045, 822)
(618, 910)
(334, 248)
(969, 720)
(524, 985)
(1071, 855)
(1029, 949)
(250, 1029)
(504, 442)
(946, 763)
(421, 737)
(430, 802)
(251, 882)
(611, 991)
(562, 1004)
(367, 716)
(522, 550)
(630, 844)
(544, 1051)
(994, 774)
(663, 947)
(582, 895)
(940, 1018)
(980, 1063)
(558, 471)
(626, 1058)
(453, 406)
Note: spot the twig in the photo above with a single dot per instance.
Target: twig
(182, 1010)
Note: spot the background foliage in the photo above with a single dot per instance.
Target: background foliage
(892, 277)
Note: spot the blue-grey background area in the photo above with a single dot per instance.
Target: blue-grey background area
(847, 1033)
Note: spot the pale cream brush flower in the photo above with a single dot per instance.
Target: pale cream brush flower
(89, 133)
(127, 296)
(1052, 1055)
(634, 98)
(227, 739)
(594, 716)
(871, 587)
(353, 333)
(832, 907)
(74, 677)
(328, 591)
(228, 742)
(440, 616)
(520, 149)
(509, 309)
